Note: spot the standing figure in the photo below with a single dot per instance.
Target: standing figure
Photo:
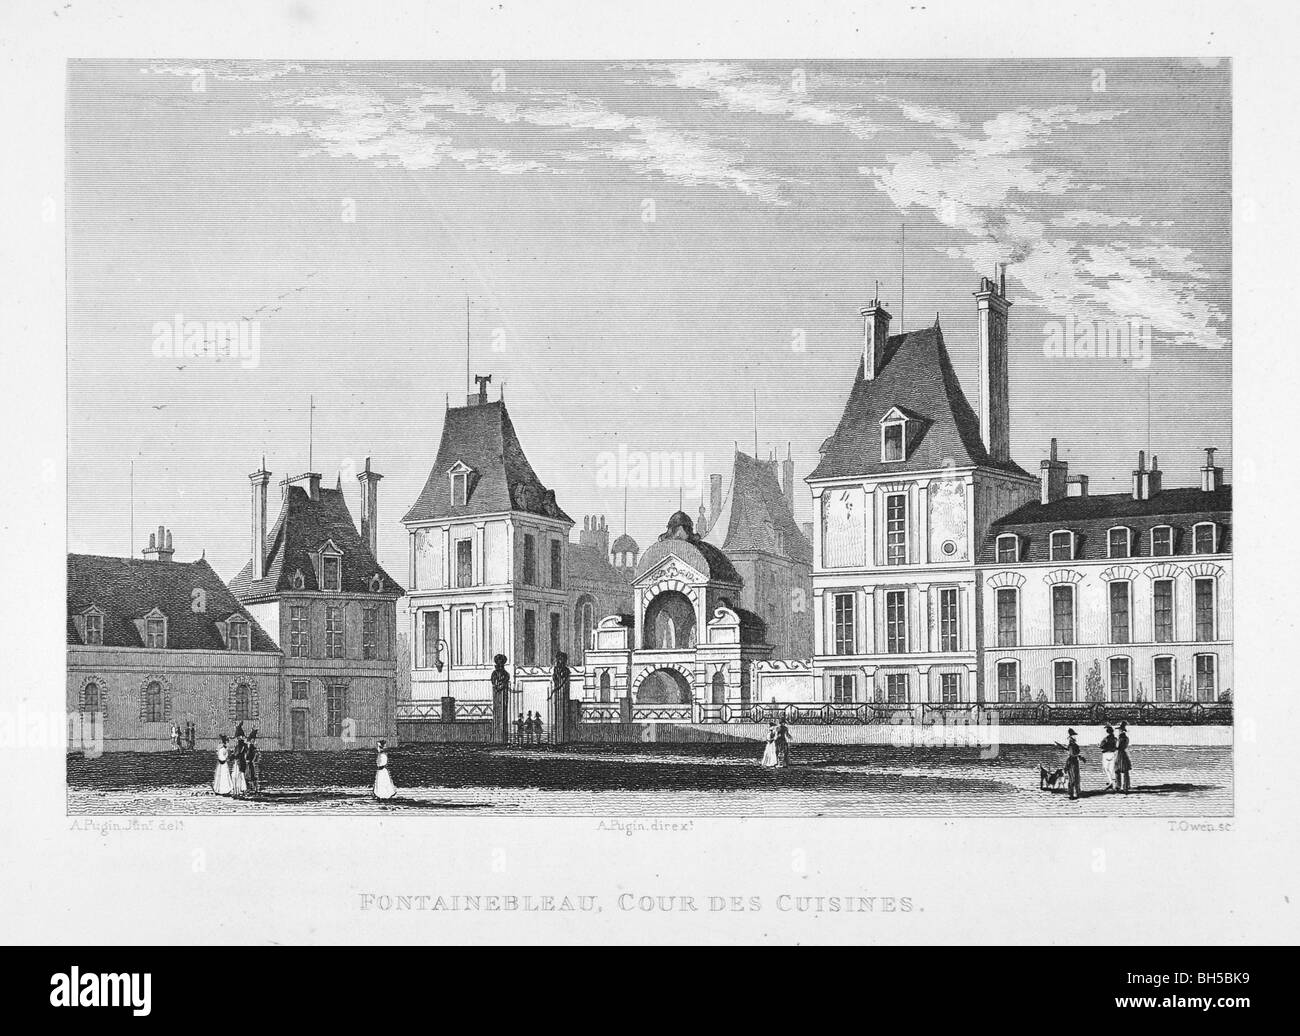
(252, 767)
(537, 727)
(221, 778)
(1123, 764)
(528, 728)
(384, 787)
(769, 752)
(1108, 747)
(519, 730)
(176, 738)
(501, 697)
(238, 782)
(783, 740)
(1072, 758)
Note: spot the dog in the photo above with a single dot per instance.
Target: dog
(1048, 779)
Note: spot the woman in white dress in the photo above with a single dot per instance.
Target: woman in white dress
(769, 753)
(221, 778)
(384, 788)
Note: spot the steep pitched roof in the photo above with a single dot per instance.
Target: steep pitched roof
(483, 437)
(1091, 517)
(304, 526)
(126, 590)
(916, 376)
(755, 510)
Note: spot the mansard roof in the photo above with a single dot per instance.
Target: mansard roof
(755, 510)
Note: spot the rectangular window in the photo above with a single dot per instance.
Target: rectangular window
(1063, 681)
(370, 631)
(299, 638)
(336, 707)
(1203, 594)
(464, 563)
(1062, 614)
(240, 635)
(332, 571)
(1008, 682)
(1119, 543)
(334, 631)
(1164, 679)
(896, 688)
(530, 637)
(465, 637)
(1162, 597)
(893, 442)
(948, 619)
(459, 488)
(1162, 541)
(557, 563)
(1120, 626)
(842, 688)
(94, 629)
(1119, 679)
(1008, 618)
(430, 634)
(1062, 546)
(555, 636)
(530, 560)
(896, 529)
(844, 625)
(1204, 538)
(1206, 678)
(896, 622)
(155, 633)
(1008, 549)
(299, 690)
(950, 688)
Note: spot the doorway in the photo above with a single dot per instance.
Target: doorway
(298, 730)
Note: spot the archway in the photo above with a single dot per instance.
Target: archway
(604, 686)
(664, 687)
(719, 688)
(669, 622)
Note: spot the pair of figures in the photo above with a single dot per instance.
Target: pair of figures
(238, 771)
(1115, 761)
(777, 752)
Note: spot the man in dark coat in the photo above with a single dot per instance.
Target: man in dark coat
(1123, 764)
(783, 740)
(1108, 746)
(1072, 758)
(252, 767)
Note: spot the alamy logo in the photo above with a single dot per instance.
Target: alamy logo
(93, 989)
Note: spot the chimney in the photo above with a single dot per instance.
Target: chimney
(259, 480)
(1052, 477)
(787, 478)
(313, 485)
(160, 545)
(715, 499)
(1141, 483)
(1211, 476)
(875, 336)
(480, 397)
(1076, 485)
(370, 507)
(995, 406)
(1153, 476)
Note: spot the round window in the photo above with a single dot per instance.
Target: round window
(949, 548)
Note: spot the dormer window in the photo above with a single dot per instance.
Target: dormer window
(893, 436)
(1204, 538)
(155, 630)
(1062, 545)
(460, 476)
(1117, 542)
(1008, 549)
(238, 634)
(94, 627)
(329, 568)
(1162, 541)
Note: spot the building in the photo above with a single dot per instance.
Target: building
(1120, 598)
(753, 522)
(315, 582)
(903, 496)
(154, 643)
(600, 581)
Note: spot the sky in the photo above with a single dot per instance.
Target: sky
(666, 258)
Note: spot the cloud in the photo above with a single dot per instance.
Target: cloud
(243, 72)
(1087, 218)
(940, 117)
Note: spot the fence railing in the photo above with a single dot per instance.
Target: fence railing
(431, 712)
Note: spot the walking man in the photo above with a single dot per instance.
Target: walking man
(1072, 758)
(519, 730)
(1108, 747)
(1123, 764)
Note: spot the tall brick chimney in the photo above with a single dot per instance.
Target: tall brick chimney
(1146, 481)
(875, 336)
(160, 545)
(259, 480)
(1053, 477)
(370, 507)
(787, 478)
(995, 404)
(1211, 475)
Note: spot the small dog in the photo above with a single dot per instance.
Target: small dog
(1048, 779)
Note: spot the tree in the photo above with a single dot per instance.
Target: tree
(1092, 683)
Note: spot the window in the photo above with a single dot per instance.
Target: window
(459, 488)
(299, 641)
(153, 708)
(950, 688)
(332, 573)
(1063, 680)
(1163, 674)
(896, 529)
(1162, 541)
(370, 631)
(1203, 595)
(241, 709)
(155, 633)
(92, 700)
(1203, 538)
(948, 619)
(464, 563)
(842, 688)
(466, 635)
(896, 622)
(844, 629)
(334, 631)
(530, 637)
(431, 634)
(1008, 549)
(1119, 679)
(1120, 625)
(557, 564)
(1062, 546)
(1206, 678)
(892, 442)
(1062, 614)
(1008, 681)
(94, 628)
(896, 688)
(1008, 617)
(1117, 543)
(240, 635)
(555, 637)
(1162, 597)
(336, 707)
(299, 690)
(530, 560)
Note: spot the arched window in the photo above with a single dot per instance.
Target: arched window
(719, 688)
(92, 699)
(152, 707)
(604, 686)
(242, 698)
